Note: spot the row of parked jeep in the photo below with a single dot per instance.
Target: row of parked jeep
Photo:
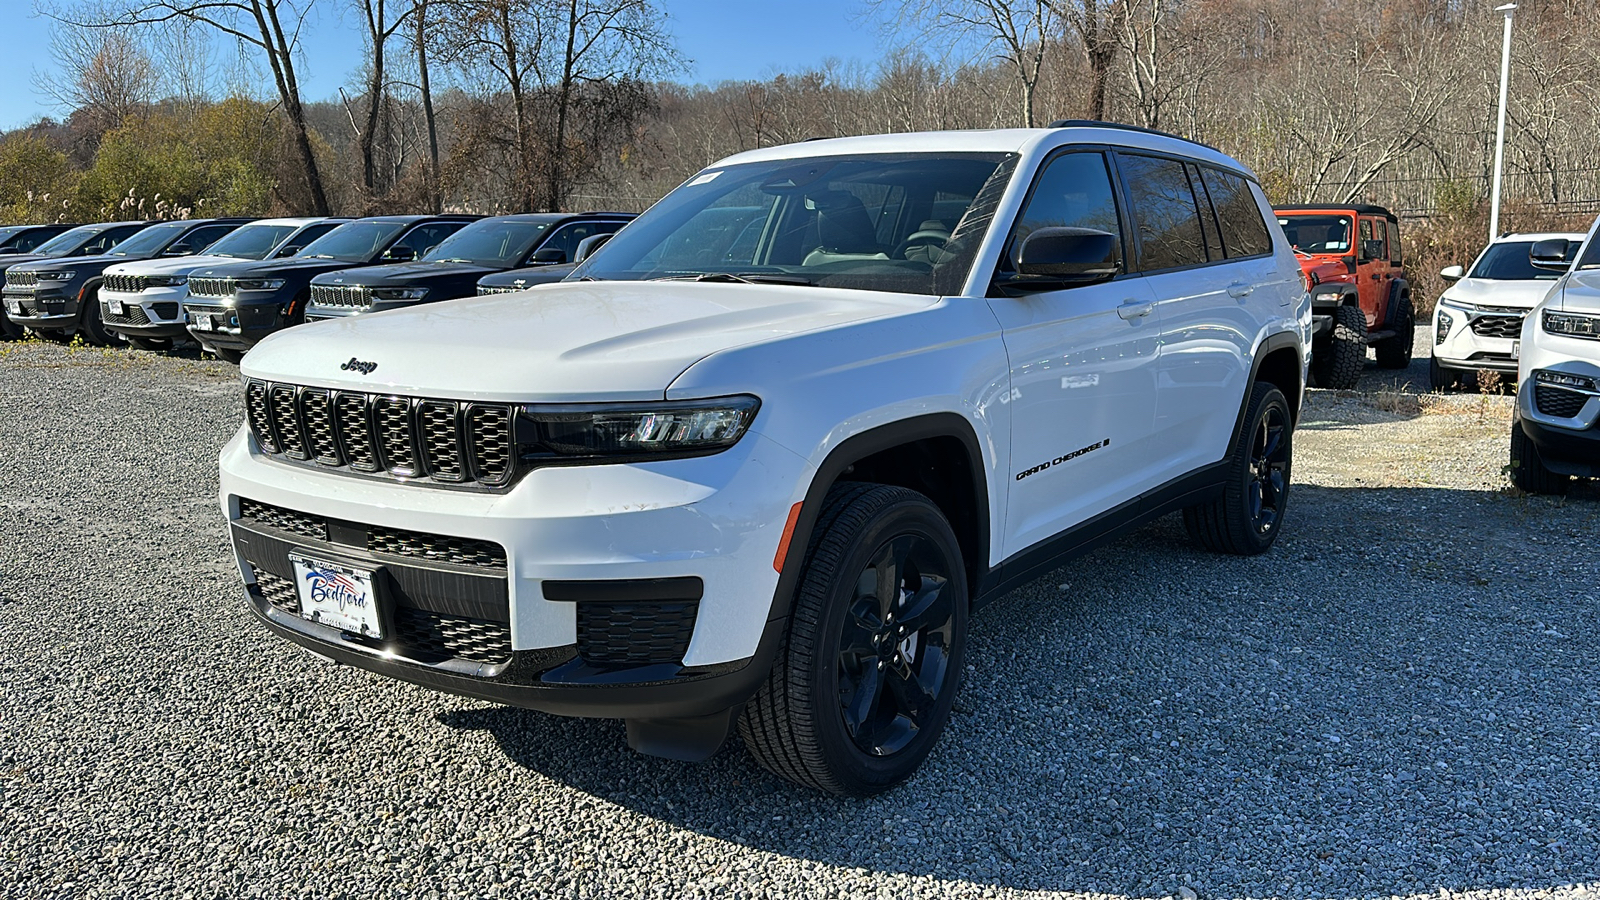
(228, 283)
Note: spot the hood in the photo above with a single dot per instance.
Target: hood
(182, 265)
(523, 278)
(8, 260)
(79, 263)
(1580, 292)
(264, 268)
(409, 273)
(1494, 292)
(568, 342)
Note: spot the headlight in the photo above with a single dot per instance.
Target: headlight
(1455, 304)
(1572, 325)
(166, 280)
(1446, 322)
(637, 430)
(55, 276)
(391, 294)
(258, 284)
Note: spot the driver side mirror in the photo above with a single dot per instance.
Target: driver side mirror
(1372, 249)
(1452, 274)
(549, 256)
(1551, 253)
(399, 254)
(589, 245)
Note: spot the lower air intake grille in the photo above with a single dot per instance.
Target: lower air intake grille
(1558, 402)
(436, 547)
(1497, 326)
(132, 314)
(255, 513)
(627, 634)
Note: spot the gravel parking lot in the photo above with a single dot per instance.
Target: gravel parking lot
(1399, 699)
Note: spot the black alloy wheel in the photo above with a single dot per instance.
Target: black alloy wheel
(894, 653)
(1269, 466)
(870, 663)
(1246, 518)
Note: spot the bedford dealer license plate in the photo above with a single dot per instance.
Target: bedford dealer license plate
(115, 306)
(202, 322)
(336, 595)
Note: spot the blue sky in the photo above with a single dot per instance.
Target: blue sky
(726, 40)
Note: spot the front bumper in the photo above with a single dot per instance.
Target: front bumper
(42, 309)
(237, 325)
(1470, 339)
(1563, 421)
(153, 312)
(532, 636)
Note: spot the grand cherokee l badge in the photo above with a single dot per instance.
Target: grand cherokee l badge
(356, 365)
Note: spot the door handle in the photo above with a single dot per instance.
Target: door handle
(1135, 309)
(1240, 290)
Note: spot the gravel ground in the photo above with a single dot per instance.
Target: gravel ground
(1396, 701)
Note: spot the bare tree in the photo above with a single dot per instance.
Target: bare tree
(1097, 26)
(254, 23)
(379, 26)
(425, 90)
(108, 75)
(1013, 30)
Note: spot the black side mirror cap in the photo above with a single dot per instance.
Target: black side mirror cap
(589, 245)
(1552, 254)
(1372, 249)
(549, 256)
(1073, 255)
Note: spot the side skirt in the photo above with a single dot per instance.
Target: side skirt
(1196, 487)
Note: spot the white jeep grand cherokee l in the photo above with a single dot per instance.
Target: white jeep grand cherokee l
(754, 464)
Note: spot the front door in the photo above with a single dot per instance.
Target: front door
(1082, 401)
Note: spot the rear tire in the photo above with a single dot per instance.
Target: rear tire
(151, 344)
(1527, 468)
(1337, 363)
(871, 661)
(1395, 352)
(1246, 519)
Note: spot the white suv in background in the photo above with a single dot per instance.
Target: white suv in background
(1556, 432)
(143, 300)
(755, 463)
(1478, 319)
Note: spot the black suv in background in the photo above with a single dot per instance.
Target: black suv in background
(26, 238)
(232, 307)
(513, 280)
(58, 297)
(77, 240)
(452, 269)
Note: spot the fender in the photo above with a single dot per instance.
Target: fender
(861, 446)
(1333, 294)
(89, 294)
(1399, 295)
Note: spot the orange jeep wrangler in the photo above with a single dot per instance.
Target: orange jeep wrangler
(1350, 254)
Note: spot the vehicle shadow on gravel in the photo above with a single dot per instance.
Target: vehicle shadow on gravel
(1399, 698)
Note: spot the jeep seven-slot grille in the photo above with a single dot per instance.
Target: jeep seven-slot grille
(211, 287)
(125, 284)
(351, 295)
(629, 633)
(1497, 326)
(490, 290)
(420, 634)
(444, 441)
(15, 279)
(1558, 402)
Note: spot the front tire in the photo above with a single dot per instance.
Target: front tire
(870, 664)
(1337, 362)
(1395, 352)
(1527, 468)
(151, 344)
(1441, 378)
(1246, 519)
(90, 325)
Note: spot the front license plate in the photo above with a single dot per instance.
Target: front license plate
(14, 307)
(202, 323)
(337, 595)
(115, 306)
(1516, 349)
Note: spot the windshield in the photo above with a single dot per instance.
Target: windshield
(250, 241)
(1591, 249)
(905, 222)
(1508, 261)
(492, 242)
(353, 241)
(1317, 234)
(150, 241)
(67, 241)
(10, 232)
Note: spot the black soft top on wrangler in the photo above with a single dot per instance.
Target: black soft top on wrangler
(1361, 208)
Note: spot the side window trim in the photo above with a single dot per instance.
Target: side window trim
(1107, 154)
(1210, 224)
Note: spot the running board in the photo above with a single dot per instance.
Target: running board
(1375, 336)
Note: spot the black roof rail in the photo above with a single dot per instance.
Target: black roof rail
(1123, 126)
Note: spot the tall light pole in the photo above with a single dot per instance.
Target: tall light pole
(1510, 10)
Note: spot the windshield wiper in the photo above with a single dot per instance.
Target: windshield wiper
(745, 278)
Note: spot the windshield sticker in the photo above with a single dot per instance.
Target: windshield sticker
(707, 178)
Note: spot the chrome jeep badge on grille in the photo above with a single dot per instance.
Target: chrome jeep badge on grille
(356, 365)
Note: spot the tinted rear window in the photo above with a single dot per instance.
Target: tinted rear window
(1164, 212)
(1244, 232)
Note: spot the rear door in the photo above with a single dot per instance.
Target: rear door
(1082, 400)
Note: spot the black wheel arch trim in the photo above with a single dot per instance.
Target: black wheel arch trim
(860, 446)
